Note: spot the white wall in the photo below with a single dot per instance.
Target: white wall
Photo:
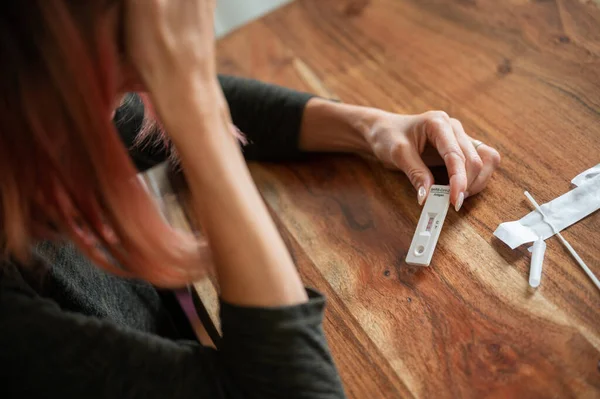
(234, 13)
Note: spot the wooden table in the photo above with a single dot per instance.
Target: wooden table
(523, 76)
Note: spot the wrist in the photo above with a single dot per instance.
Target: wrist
(182, 98)
(361, 121)
(190, 109)
(330, 126)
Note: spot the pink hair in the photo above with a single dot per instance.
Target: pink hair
(63, 169)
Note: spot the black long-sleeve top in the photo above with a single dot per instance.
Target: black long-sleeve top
(79, 332)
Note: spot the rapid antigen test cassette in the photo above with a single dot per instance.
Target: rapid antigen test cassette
(429, 227)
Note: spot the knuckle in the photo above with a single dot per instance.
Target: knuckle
(378, 148)
(415, 175)
(456, 123)
(476, 164)
(495, 158)
(434, 126)
(397, 150)
(442, 115)
(455, 153)
(381, 153)
(436, 118)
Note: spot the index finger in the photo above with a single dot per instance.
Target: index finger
(440, 134)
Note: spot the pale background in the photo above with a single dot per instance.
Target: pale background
(232, 14)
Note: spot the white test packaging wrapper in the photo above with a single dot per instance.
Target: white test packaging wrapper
(430, 225)
(586, 176)
(562, 212)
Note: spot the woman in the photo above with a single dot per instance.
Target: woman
(70, 202)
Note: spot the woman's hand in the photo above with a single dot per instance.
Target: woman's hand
(171, 43)
(410, 143)
(170, 39)
(413, 143)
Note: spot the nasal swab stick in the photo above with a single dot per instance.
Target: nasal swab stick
(585, 268)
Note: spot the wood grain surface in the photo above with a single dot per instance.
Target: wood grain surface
(524, 77)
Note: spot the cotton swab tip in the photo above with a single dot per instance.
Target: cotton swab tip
(537, 261)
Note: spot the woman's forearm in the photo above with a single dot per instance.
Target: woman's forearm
(253, 265)
(328, 126)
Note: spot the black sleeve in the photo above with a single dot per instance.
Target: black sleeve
(266, 353)
(269, 116)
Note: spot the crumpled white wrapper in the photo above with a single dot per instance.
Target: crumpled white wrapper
(586, 176)
(562, 212)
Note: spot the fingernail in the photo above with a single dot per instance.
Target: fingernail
(459, 202)
(421, 195)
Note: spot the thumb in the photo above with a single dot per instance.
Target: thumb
(410, 162)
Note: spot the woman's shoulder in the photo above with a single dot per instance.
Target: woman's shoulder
(51, 350)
